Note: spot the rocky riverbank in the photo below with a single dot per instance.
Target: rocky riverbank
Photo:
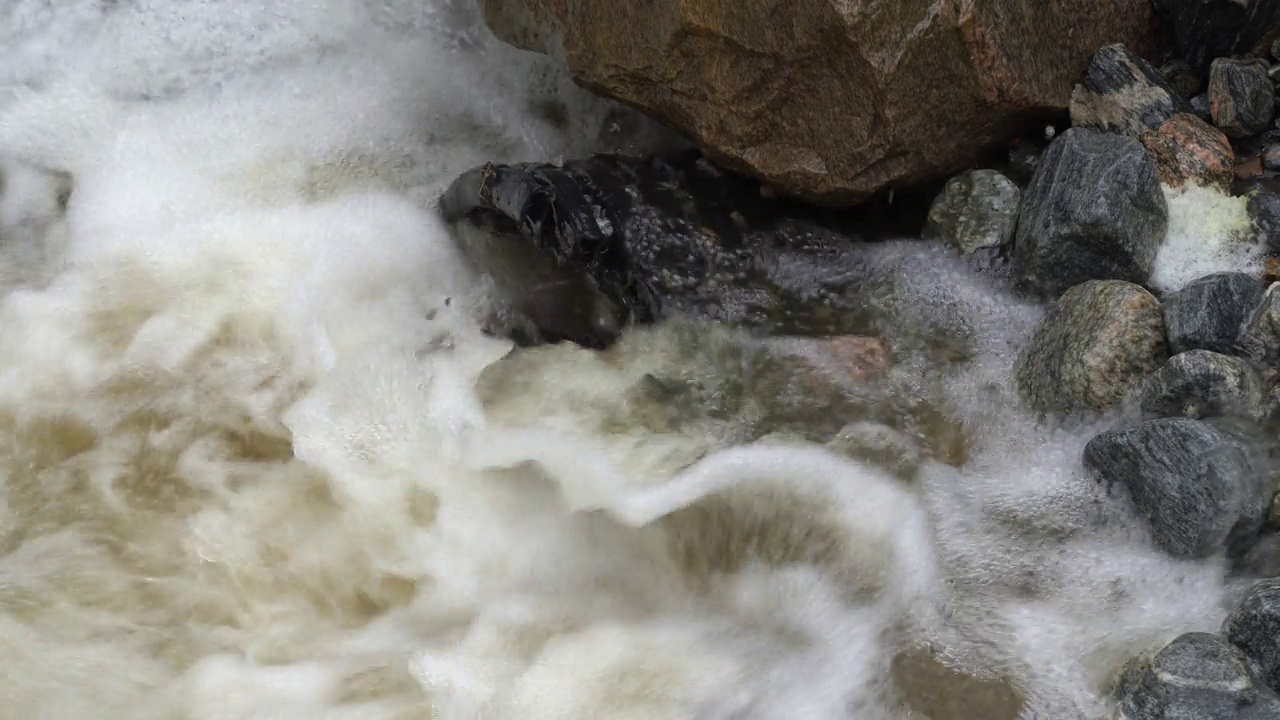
(1182, 369)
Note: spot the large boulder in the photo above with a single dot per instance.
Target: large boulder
(1197, 676)
(832, 99)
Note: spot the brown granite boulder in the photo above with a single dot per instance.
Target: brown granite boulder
(832, 99)
(1185, 148)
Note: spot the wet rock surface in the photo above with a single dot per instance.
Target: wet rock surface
(1196, 486)
(1122, 93)
(1200, 383)
(1210, 29)
(842, 99)
(1096, 343)
(1093, 211)
(1197, 675)
(976, 210)
(1241, 96)
(1210, 312)
(637, 240)
(1254, 627)
(1260, 339)
(1185, 147)
(1264, 211)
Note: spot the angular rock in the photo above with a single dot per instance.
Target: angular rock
(1198, 676)
(1197, 487)
(977, 209)
(1185, 147)
(1271, 158)
(1209, 313)
(1242, 98)
(1254, 627)
(1096, 343)
(1200, 384)
(1093, 211)
(1121, 93)
(1209, 29)
(1260, 339)
(582, 250)
(830, 99)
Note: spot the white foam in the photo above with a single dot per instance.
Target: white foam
(259, 460)
(1209, 231)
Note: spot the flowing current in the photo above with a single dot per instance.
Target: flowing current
(258, 460)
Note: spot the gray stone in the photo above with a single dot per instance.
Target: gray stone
(1254, 627)
(1093, 211)
(1271, 156)
(1208, 29)
(1200, 107)
(1260, 339)
(977, 209)
(1200, 384)
(1197, 487)
(1209, 313)
(1242, 98)
(1098, 341)
(1121, 93)
(1198, 676)
(1264, 211)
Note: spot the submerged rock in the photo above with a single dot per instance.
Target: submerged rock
(1198, 675)
(1096, 343)
(1200, 383)
(827, 99)
(1242, 97)
(1209, 29)
(976, 210)
(1093, 211)
(1254, 627)
(1185, 147)
(618, 240)
(1197, 487)
(1122, 93)
(1209, 313)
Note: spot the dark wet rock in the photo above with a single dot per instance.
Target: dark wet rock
(1242, 98)
(1197, 487)
(1200, 383)
(1200, 107)
(1181, 77)
(1254, 627)
(1187, 148)
(1209, 29)
(1209, 313)
(1096, 343)
(1093, 211)
(1264, 211)
(1271, 157)
(1198, 676)
(617, 240)
(976, 210)
(1122, 93)
(1260, 339)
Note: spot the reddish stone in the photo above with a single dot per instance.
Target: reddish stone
(1188, 148)
(864, 356)
(1246, 169)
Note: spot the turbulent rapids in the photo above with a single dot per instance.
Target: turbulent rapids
(260, 457)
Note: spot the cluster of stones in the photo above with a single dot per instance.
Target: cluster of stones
(1191, 375)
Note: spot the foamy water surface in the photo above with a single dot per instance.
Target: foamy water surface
(258, 460)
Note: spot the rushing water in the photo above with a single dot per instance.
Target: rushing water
(257, 459)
